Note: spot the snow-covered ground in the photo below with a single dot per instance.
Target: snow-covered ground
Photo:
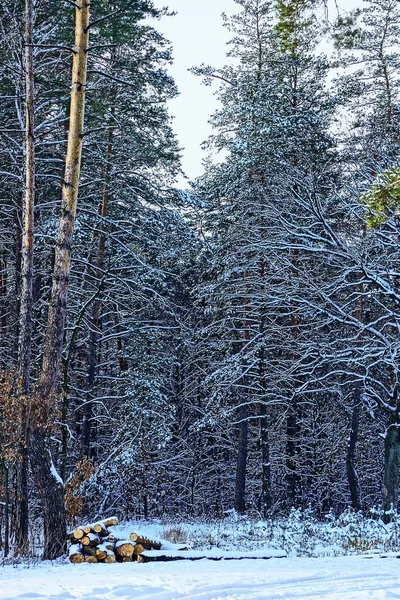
(333, 578)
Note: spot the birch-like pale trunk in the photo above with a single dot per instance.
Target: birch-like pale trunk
(49, 485)
(25, 330)
(27, 257)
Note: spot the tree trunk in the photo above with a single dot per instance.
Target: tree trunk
(48, 484)
(25, 333)
(4, 481)
(266, 497)
(27, 258)
(3, 288)
(95, 328)
(18, 264)
(291, 450)
(352, 475)
(64, 417)
(241, 464)
(21, 518)
(51, 491)
(390, 491)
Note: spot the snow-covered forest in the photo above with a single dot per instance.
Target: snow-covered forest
(229, 348)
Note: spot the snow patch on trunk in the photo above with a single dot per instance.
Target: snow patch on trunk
(55, 473)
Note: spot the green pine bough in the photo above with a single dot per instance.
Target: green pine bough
(383, 198)
(290, 23)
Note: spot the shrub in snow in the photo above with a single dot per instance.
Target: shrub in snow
(300, 534)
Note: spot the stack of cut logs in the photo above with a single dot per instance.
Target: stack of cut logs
(95, 543)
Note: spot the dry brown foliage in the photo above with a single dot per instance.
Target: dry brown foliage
(12, 426)
(20, 413)
(176, 535)
(74, 501)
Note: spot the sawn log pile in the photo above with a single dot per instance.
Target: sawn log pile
(94, 543)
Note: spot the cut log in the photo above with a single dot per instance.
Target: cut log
(109, 522)
(138, 549)
(124, 548)
(91, 539)
(125, 559)
(71, 537)
(95, 527)
(101, 552)
(75, 554)
(91, 559)
(109, 545)
(145, 542)
(100, 529)
(73, 541)
(78, 533)
(110, 558)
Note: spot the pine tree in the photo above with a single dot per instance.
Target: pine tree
(281, 114)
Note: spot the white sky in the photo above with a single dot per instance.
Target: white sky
(197, 36)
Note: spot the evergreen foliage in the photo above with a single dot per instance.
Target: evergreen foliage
(383, 198)
(234, 345)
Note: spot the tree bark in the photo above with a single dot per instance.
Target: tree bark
(51, 491)
(25, 331)
(352, 475)
(241, 464)
(49, 485)
(27, 258)
(291, 452)
(18, 264)
(95, 327)
(3, 288)
(4, 482)
(266, 496)
(390, 491)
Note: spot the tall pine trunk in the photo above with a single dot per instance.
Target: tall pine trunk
(352, 475)
(241, 463)
(25, 332)
(266, 493)
(96, 311)
(390, 491)
(291, 452)
(48, 483)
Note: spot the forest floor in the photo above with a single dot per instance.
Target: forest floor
(292, 578)
(349, 558)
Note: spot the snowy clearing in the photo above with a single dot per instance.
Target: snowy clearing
(342, 578)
